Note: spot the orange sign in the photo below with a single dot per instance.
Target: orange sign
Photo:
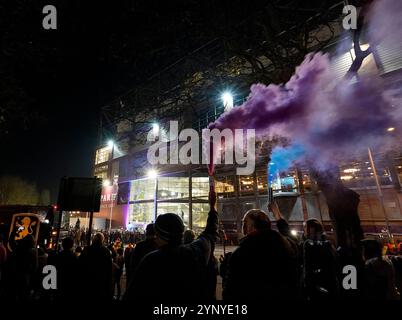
(23, 224)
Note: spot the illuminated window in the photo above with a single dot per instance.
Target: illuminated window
(101, 168)
(101, 175)
(359, 173)
(173, 188)
(283, 182)
(246, 185)
(200, 214)
(200, 188)
(224, 186)
(143, 189)
(262, 182)
(181, 209)
(102, 155)
(141, 214)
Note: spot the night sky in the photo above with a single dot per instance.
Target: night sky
(54, 82)
(59, 79)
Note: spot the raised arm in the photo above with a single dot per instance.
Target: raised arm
(211, 229)
(281, 223)
(273, 207)
(205, 244)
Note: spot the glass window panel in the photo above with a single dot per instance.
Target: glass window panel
(181, 209)
(101, 168)
(262, 180)
(200, 215)
(200, 187)
(173, 188)
(224, 186)
(359, 173)
(101, 175)
(283, 182)
(102, 155)
(246, 185)
(141, 214)
(143, 189)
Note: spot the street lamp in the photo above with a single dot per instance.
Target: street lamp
(107, 183)
(227, 100)
(153, 174)
(111, 146)
(391, 129)
(155, 129)
(112, 191)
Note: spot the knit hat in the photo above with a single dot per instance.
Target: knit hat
(169, 227)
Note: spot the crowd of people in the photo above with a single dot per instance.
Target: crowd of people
(79, 235)
(172, 264)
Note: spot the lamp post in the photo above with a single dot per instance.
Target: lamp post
(379, 191)
(153, 174)
(113, 191)
(111, 211)
(155, 129)
(108, 183)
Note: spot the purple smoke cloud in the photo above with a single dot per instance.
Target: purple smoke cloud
(385, 22)
(329, 118)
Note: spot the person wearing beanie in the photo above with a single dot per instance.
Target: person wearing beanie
(176, 272)
(169, 229)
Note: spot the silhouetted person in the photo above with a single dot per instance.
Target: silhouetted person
(320, 264)
(212, 267)
(78, 251)
(96, 266)
(263, 266)
(141, 249)
(397, 263)
(83, 238)
(188, 236)
(211, 278)
(284, 229)
(38, 278)
(379, 278)
(175, 272)
(399, 247)
(3, 260)
(78, 224)
(118, 265)
(26, 265)
(66, 263)
(283, 226)
(127, 256)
